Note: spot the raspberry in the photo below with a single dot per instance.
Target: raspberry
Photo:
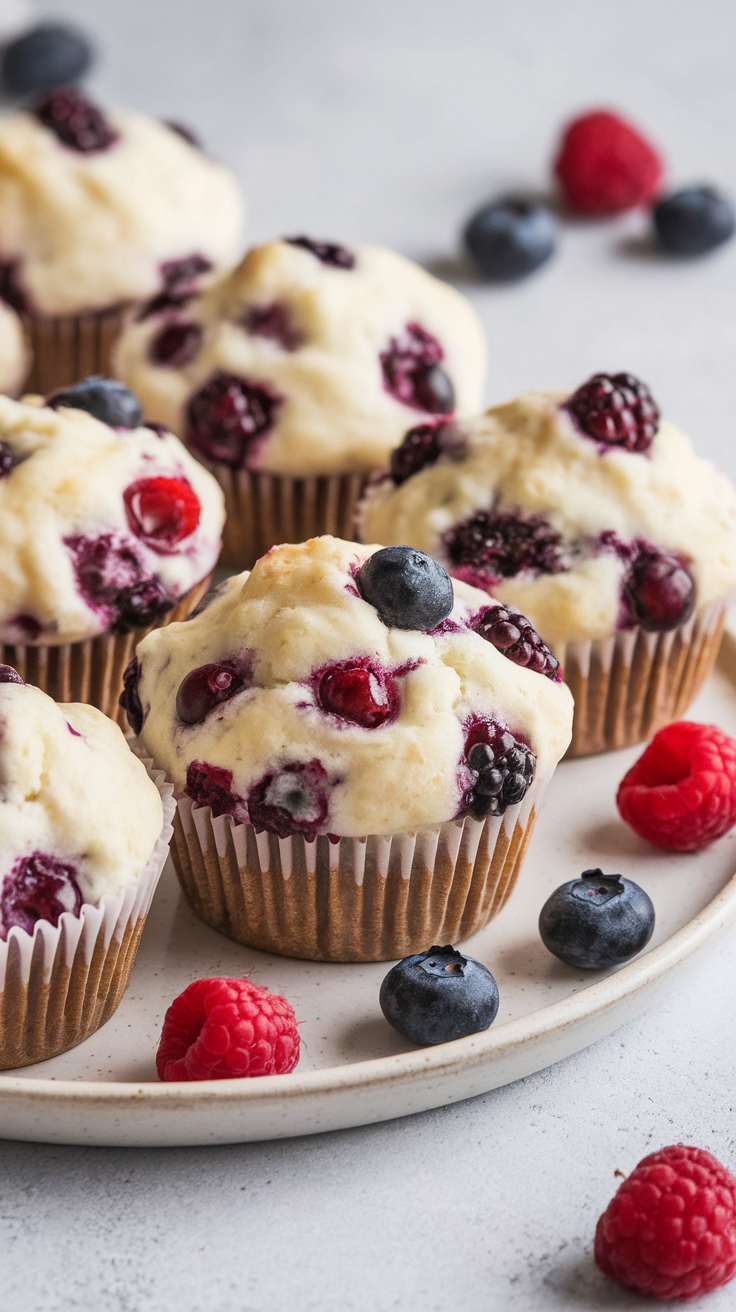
(220, 1029)
(511, 633)
(605, 166)
(162, 511)
(617, 410)
(681, 793)
(670, 1231)
(358, 691)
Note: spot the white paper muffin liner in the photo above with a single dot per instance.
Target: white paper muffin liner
(69, 347)
(91, 670)
(61, 983)
(265, 509)
(354, 899)
(628, 686)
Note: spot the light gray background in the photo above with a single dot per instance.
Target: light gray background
(388, 120)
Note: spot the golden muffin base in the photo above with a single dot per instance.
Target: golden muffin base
(629, 686)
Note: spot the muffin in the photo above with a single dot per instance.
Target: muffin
(358, 770)
(598, 522)
(97, 211)
(14, 354)
(296, 374)
(106, 528)
(84, 833)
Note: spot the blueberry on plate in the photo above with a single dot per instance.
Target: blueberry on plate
(693, 221)
(49, 55)
(109, 401)
(596, 921)
(511, 237)
(439, 995)
(409, 589)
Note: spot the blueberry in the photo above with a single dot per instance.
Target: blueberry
(49, 55)
(439, 995)
(106, 399)
(693, 221)
(511, 237)
(409, 589)
(596, 921)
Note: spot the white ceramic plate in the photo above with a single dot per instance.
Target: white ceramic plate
(354, 1068)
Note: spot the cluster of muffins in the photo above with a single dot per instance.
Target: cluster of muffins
(349, 740)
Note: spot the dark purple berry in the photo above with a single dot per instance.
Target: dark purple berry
(272, 322)
(207, 687)
(110, 577)
(327, 252)
(359, 692)
(596, 921)
(294, 800)
(412, 372)
(11, 290)
(511, 633)
(422, 446)
(502, 765)
(108, 400)
(184, 132)
(39, 887)
(9, 675)
(409, 589)
(499, 544)
(660, 590)
(49, 55)
(616, 410)
(439, 995)
(164, 301)
(141, 606)
(211, 785)
(176, 345)
(180, 276)
(7, 459)
(227, 416)
(511, 237)
(693, 221)
(130, 696)
(75, 120)
(28, 625)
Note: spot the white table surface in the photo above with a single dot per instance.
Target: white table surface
(388, 120)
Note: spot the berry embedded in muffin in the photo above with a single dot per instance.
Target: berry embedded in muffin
(347, 690)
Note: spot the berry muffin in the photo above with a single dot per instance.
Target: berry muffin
(296, 374)
(97, 211)
(107, 527)
(14, 354)
(84, 834)
(358, 768)
(599, 522)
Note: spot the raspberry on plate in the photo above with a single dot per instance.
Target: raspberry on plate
(220, 1029)
(605, 166)
(670, 1231)
(681, 793)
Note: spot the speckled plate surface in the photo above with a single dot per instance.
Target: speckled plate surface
(354, 1069)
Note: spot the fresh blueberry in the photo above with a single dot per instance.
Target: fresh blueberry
(107, 400)
(693, 221)
(49, 55)
(439, 995)
(409, 589)
(596, 921)
(511, 237)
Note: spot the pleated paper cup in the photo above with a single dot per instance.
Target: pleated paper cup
(265, 509)
(628, 686)
(351, 899)
(92, 670)
(61, 983)
(68, 347)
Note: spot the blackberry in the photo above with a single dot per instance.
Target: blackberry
(327, 252)
(420, 447)
(227, 416)
(498, 544)
(75, 120)
(616, 410)
(511, 633)
(660, 590)
(503, 767)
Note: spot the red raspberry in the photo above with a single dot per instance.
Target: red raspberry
(681, 793)
(219, 1029)
(162, 511)
(670, 1231)
(605, 166)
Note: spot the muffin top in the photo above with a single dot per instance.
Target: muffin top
(98, 210)
(100, 526)
(294, 702)
(587, 512)
(14, 355)
(79, 816)
(306, 359)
